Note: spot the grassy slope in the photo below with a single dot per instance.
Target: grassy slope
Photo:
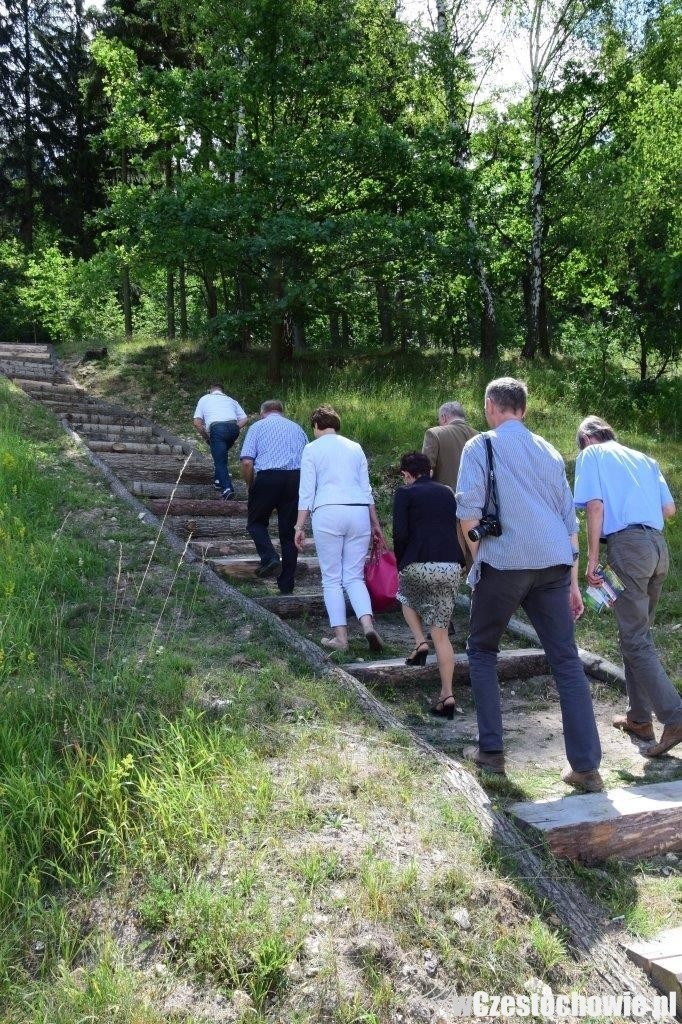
(155, 857)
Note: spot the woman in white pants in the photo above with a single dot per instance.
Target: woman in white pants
(335, 492)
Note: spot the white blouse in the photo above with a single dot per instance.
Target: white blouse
(333, 472)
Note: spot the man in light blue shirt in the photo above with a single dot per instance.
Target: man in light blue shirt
(271, 467)
(532, 563)
(627, 500)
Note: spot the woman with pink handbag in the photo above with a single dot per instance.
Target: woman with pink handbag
(430, 562)
(335, 492)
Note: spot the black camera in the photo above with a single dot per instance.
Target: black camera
(489, 526)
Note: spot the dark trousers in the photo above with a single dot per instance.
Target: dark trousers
(275, 489)
(223, 436)
(543, 594)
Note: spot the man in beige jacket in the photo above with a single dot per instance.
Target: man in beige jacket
(443, 444)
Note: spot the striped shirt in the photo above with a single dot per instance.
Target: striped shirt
(536, 506)
(274, 443)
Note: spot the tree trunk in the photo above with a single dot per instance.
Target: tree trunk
(82, 187)
(403, 317)
(335, 329)
(385, 315)
(243, 305)
(346, 336)
(299, 335)
(170, 304)
(182, 300)
(276, 294)
(125, 272)
(537, 200)
(288, 338)
(488, 349)
(211, 297)
(28, 204)
(543, 323)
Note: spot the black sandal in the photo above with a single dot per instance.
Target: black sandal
(419, 656)
(444, 710)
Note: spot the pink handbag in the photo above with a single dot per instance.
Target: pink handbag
(381, 577)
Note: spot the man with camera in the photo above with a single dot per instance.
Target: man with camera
(516, 510)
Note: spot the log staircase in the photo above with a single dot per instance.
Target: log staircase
(176, 483)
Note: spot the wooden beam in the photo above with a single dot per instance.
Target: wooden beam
(201, 507)
(661, 959)
(152, 489)
(135, 447)
(519, 664)
(207, 526)
(633, 822)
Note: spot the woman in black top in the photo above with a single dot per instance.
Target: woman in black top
(429, 562)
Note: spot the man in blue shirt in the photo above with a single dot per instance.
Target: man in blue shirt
(627, 500)
(532, 564)
(271, 467)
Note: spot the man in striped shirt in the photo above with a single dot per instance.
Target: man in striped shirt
(532, 564)
(271, 467)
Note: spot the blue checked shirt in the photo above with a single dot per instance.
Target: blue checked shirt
(274, 443)
(536, 506)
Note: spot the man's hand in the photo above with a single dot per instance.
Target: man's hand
(592, 576)
(575, 600)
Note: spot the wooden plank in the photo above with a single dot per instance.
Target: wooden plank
(632, 822)
(114, 430)
(661, 959)
(212, 548)
(510, 665)
(195, 469)
(243, 566)
(28, 355)
(15, 346)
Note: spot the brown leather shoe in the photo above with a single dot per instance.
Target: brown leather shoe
(489, 762)
(642, 730)
(588, 782)
(670, 737)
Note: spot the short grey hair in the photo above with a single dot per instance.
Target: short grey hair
(452, 410)
(594, 428)
(508, 394)
(272, 405)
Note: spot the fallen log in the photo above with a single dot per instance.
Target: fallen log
(519, 664)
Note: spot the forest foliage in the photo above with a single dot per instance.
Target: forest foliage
(329, 175)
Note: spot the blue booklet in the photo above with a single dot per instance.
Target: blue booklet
(603, 596)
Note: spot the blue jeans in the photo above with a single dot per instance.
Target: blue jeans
(223, 435)
(543, 595)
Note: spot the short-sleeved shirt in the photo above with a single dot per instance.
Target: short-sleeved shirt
(274, 443)
(217, 407)
(536, 506)
(629, 483)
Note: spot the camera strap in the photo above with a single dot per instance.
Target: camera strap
(491, 486)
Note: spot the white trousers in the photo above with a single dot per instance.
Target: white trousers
(342, 535)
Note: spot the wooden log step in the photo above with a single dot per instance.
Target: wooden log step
(207, 526)
(51, 389)
(243, 566)
(95, 411)
(295, 606)
(518, 664)
(26, 357)
(112, 431)
(639, 821)
(31, 366)
(661, 959)
(19, 348)
(136, 447)
(151, 489)
(27, 352)
(199, 507)
(208, 547)
(24, 372)
(173, 463)
(162, 474)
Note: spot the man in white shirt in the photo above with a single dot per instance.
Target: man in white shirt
(218, 419)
